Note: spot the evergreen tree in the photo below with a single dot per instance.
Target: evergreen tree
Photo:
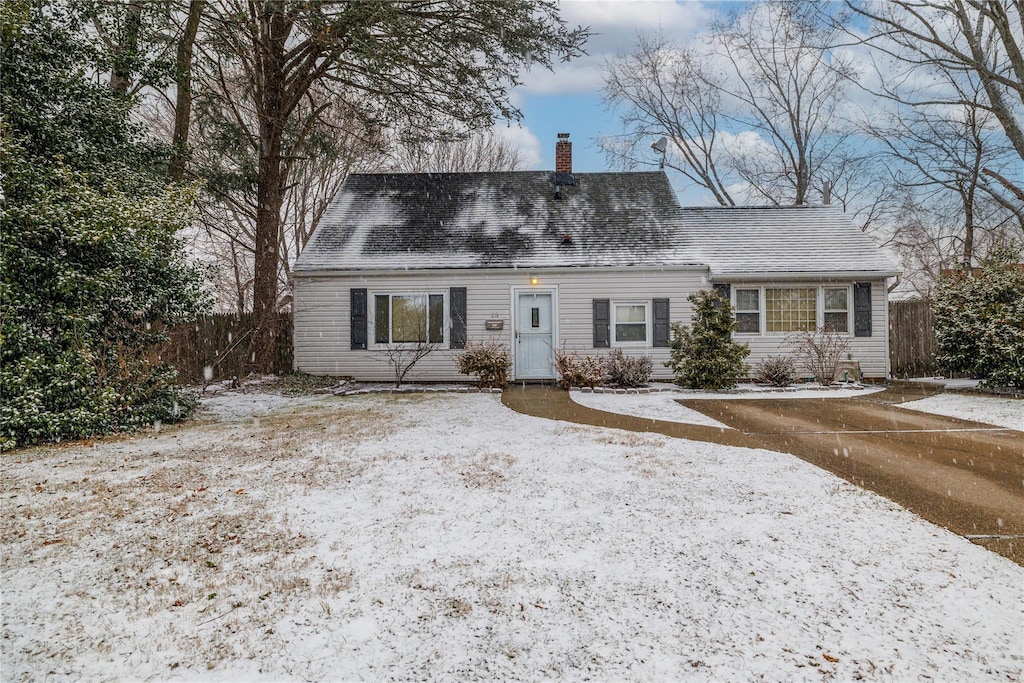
(704, 356)
(979, 321)
(92, 268)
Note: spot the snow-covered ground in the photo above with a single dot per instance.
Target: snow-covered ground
(664, 405)
(445, 536)
(660, 406)
(994, 410)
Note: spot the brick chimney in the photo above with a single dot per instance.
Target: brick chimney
(563, 154)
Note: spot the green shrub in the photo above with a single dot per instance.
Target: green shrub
(778, 371)
(628, 371)
(491, 362)
(703, 355)
(979, 321)
(579, 371)
(92, 265)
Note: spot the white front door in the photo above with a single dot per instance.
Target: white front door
(534, 335)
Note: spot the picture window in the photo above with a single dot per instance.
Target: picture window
(409, 318)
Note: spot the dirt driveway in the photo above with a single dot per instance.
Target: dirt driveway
(965, 476)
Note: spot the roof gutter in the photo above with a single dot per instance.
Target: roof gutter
(805, 275)
(633, 269)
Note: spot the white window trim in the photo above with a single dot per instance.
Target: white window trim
(819, 306)
(849, 307)
(648, 341)
(372, 318)
(759, 311)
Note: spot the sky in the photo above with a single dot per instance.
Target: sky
(568, 99)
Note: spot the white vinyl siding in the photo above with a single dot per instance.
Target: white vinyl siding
(322, 317)
(322, 321)
(872, 352)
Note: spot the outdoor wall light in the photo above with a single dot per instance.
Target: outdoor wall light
(534, 280)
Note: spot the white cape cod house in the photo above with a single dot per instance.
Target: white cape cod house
(539, 260)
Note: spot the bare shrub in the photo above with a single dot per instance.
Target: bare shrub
(490, 361)
(402, 357)
(628, 371)
(820, 353)
(579, 371)
(778, 371)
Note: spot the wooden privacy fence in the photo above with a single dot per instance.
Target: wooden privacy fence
(912, 344)
(219, 346)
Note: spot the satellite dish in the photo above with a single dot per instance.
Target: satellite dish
(660, 145)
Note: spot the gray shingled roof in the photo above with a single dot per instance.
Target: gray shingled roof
(406, 221)
(797, 240)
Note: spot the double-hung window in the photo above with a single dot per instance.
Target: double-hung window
(748, 311)
(837, 309)
(409, 318)
(631, 323)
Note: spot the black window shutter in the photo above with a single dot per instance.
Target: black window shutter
(457, 304)
(661, 315)
(602, 323)
(724, 290)
(382, 319)
(862, 309)
(357, 311)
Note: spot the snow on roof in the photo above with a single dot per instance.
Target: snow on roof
(536, 219)
(794, 240)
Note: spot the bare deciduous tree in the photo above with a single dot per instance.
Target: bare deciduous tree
(948, 100)
(789, 85)
(769, 70)
(979, 39)
(468, 153)
(660, 89)
(938, 156)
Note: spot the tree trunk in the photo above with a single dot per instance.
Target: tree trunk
(183, 87)
(127, 49)
(270, 191)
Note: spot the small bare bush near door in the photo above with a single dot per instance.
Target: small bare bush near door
(579, 371)
(820, 352)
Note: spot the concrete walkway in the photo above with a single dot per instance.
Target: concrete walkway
(965, 476)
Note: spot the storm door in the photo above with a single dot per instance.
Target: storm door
(534, 335)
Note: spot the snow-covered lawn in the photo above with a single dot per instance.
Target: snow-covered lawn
(660, 406)
(664, 405)
(445, 536)
(994, 410)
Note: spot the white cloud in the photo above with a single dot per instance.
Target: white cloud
(614, 25)
(744, 143)
(524, 139)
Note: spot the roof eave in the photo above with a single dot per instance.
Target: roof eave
(804, 275)
(362, 272)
